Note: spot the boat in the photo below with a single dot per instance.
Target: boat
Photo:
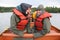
(53, 35)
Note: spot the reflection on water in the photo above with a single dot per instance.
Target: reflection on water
(5, 19)
(55, 20)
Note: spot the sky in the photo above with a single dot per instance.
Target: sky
(34, 3)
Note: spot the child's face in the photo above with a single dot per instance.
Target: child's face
(38, 12)
(28, 11)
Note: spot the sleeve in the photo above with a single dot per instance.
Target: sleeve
(13, 28)
(46, 28)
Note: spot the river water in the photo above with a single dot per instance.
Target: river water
(5, 20)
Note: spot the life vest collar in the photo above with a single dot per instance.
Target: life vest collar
(45, 15)
(18, 13)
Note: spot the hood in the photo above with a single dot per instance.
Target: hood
(41, 9)
(23, 7)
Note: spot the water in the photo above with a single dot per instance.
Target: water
(5, 20)
(55, 20)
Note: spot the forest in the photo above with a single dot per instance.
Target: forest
(49, 9)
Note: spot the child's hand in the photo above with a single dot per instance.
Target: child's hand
(29, 16)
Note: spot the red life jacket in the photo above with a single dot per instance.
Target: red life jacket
(21, 24)
(39, 23)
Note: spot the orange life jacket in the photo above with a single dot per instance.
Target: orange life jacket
(39, 23)
(21, 24)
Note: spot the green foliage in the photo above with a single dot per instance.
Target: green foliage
(49, 9)
(6, 9)
(33, 9)
(53, 9)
